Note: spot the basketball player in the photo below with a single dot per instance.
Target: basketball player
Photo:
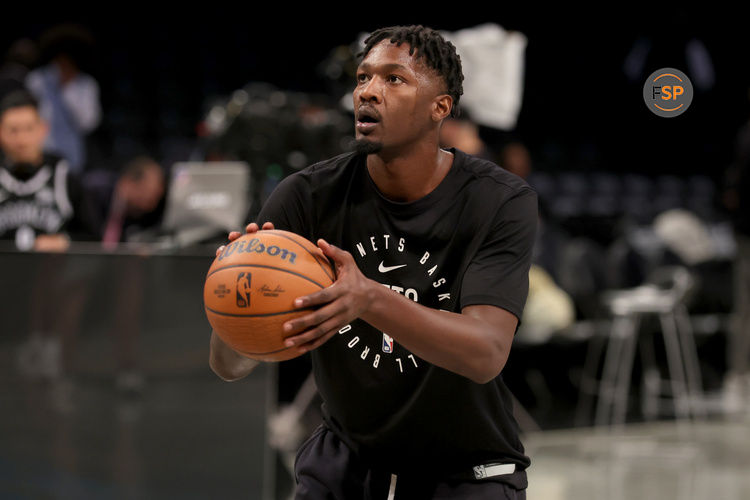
(432, 250)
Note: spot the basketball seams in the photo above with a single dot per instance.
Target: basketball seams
(259, 315)
(263, 329)
(263, 266)
(247, 353)
(316, 257)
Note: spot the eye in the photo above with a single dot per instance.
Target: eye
(394, 79)
(361, 77)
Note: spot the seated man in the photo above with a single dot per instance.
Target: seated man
(126, 205)
(37, 194)
(38, 201)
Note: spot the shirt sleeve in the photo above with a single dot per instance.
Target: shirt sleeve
(289, 207)
(82, 99)
(498, 274)
(35, 84)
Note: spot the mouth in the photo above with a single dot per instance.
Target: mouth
(366, 119)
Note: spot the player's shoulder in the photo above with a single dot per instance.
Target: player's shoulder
(334, 164)
(324, 171)
(491, 175)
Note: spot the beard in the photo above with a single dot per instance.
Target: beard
(364, 146)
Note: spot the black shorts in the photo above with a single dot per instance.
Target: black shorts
(326, 469)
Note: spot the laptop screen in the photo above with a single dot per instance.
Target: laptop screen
(207, 195)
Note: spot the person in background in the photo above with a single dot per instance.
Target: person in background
(462, 133)
(19, 59)
(68, 97)
(125, 207)
(128, 203)
(37, 191)
(515, 158)
(40, 201)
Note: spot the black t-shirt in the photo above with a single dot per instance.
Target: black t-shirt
(467, 242)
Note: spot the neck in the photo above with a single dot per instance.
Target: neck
(35, 162)
(409, 176)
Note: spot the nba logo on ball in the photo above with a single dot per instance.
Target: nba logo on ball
(387, 343)
(243, 289)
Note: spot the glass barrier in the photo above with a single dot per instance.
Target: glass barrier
(106, 388)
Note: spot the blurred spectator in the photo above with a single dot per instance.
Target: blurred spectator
(69, 97)
(19, 59)
(515, 158)
(127, 204)
(737, 201)
(462, 133)
(37, 193)
(38, 201)
(125, 208)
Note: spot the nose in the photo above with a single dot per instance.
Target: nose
(371, 91)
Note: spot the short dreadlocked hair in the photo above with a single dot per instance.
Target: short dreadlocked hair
(436, 52)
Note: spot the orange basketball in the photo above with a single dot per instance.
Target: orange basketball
(251, 286)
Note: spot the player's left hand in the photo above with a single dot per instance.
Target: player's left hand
(345, 300)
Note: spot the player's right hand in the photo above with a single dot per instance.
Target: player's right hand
(251, 228)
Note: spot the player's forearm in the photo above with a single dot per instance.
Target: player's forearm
(227, 363)
(457, 342)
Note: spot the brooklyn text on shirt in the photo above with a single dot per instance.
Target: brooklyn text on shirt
(388, 260)
(19, 213)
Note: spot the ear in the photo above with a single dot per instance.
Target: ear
(441, 107)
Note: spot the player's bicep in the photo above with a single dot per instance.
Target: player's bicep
(500, 327)
(501, 320)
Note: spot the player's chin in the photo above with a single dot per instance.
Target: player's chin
(363, 145)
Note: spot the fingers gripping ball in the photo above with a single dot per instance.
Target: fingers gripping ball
(251, 286)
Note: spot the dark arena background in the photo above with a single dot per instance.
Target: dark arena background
(630, 369)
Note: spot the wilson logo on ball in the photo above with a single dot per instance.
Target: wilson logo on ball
(255, 245)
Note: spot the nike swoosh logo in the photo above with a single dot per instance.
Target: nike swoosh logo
(384, 269)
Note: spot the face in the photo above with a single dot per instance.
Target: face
(398, 100)
(516, 159)
(22, 134)
(144, 195)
